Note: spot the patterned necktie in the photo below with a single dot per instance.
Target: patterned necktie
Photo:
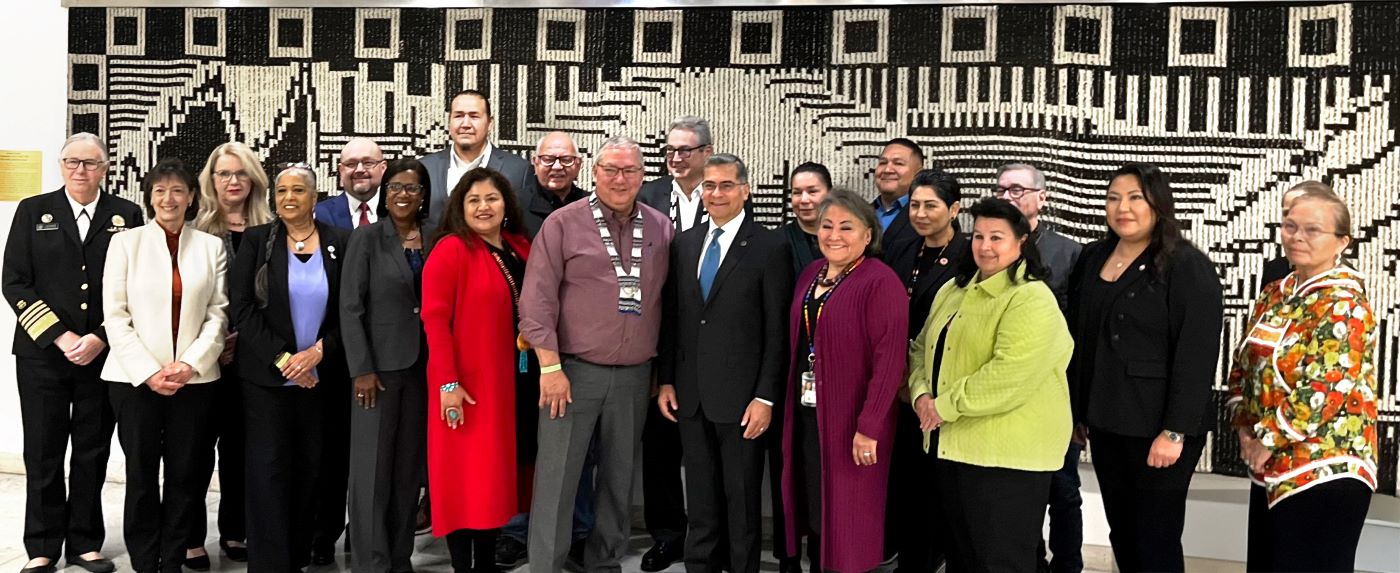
(710, 266)
(84, 222)
(364, 215)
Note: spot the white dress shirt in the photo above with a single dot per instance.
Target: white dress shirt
(725, 240)
(687, 205)
(355, 209)
(457, 168)
(84, 223)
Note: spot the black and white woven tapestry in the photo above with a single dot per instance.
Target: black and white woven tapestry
(1236, 101)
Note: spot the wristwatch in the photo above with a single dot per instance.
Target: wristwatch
(1173, 437)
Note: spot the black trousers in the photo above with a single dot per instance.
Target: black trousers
(913, 527)
(473, 550)
(58, 402)
(332, 489)
(386, 468)
(1145, 506)
(663, 495)
(227, 436)
(724, 485)
(285, 428)
(1333, 514)
(993, 514)
(153, 429)
(1066, 517)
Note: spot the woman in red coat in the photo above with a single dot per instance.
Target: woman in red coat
(471, 291)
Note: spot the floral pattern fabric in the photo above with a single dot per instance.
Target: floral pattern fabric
(1304, 382)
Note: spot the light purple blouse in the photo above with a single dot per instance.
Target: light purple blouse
(307, 291)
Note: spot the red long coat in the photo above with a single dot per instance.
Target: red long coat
(471, 339)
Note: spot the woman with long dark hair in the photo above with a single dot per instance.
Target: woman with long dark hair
(380, 294)
(284, 294)
(481, 377)
(1145, 311)
(988, 372)
(924, 263)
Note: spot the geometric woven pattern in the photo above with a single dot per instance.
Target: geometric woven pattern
(1237, 102)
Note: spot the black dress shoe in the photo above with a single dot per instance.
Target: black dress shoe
(661, 556)
(49, 568)
(233, 552)
(99, 565)
(510, 553)
(200, 563)
(790, 565)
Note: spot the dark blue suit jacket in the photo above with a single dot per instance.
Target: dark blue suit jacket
(335, 211)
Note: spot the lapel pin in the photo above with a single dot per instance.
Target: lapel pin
(743, 243)
(118, 221)
(46, 218)
(1142, 267)
(943, 261)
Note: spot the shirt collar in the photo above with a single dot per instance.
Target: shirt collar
(676, 189)
(481, 160)
(899, 203)
(998, 283)
(732, 226)
(78, 208)
(355, 203)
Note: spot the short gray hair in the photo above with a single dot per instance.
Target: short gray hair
(694, 124)
(858, 206)
(730, 159)
(620, 142)
(300, 170)
(1037, 177)
(85, 137)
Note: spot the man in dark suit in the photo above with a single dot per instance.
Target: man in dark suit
(1024, 186)
(894, 171)
(557, 165)
(469, 126)
(54, 261)
(361, 170)
(722, 362)
(688, 146)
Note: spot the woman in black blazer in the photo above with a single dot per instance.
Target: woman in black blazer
(380, 294)
(924, 263)
(1145, 311)
(284, 295)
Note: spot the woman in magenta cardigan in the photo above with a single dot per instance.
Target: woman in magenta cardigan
(849, 327)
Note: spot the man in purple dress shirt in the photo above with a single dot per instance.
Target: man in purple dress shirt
(591, 308)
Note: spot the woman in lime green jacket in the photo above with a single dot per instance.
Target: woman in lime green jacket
(988, 373)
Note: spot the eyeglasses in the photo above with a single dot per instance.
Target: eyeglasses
(682, 152)
(86, 164)
(564, 160)
(1309, 233)
(368, 163)
(230, 175)
(611, 172)
(725, 187)
(409, 188)
(1013, 191)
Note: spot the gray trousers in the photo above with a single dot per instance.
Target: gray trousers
(612, 399)
(388, 448)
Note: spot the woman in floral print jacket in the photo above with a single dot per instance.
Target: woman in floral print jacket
(1303, 388)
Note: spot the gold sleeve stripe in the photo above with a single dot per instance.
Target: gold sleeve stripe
(41, 325)
(36, 310)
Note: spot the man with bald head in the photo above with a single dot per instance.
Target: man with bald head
(557, 165)
(54, 261)
(361, 169)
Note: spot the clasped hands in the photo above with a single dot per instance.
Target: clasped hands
(298, 368)
(757, 415)
(80, 350)
(171, 378)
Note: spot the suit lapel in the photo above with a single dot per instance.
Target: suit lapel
(392, 245)
(277, 285)
(63, 214)
(101, 220)
(938, 272)
(737, 249)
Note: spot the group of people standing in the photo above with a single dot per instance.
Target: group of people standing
(477, 328)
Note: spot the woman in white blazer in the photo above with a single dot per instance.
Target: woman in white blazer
(164, 301)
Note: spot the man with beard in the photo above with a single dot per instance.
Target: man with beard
(361, 169)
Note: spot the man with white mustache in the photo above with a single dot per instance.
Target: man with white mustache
(361, 170)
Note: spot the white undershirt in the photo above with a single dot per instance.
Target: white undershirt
(686, 205)
(355, 209)
(456, 169)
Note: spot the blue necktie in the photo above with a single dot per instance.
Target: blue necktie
(710, 266)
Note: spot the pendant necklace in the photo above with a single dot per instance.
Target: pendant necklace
(301, 243)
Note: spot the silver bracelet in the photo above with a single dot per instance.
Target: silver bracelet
(448, 387)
